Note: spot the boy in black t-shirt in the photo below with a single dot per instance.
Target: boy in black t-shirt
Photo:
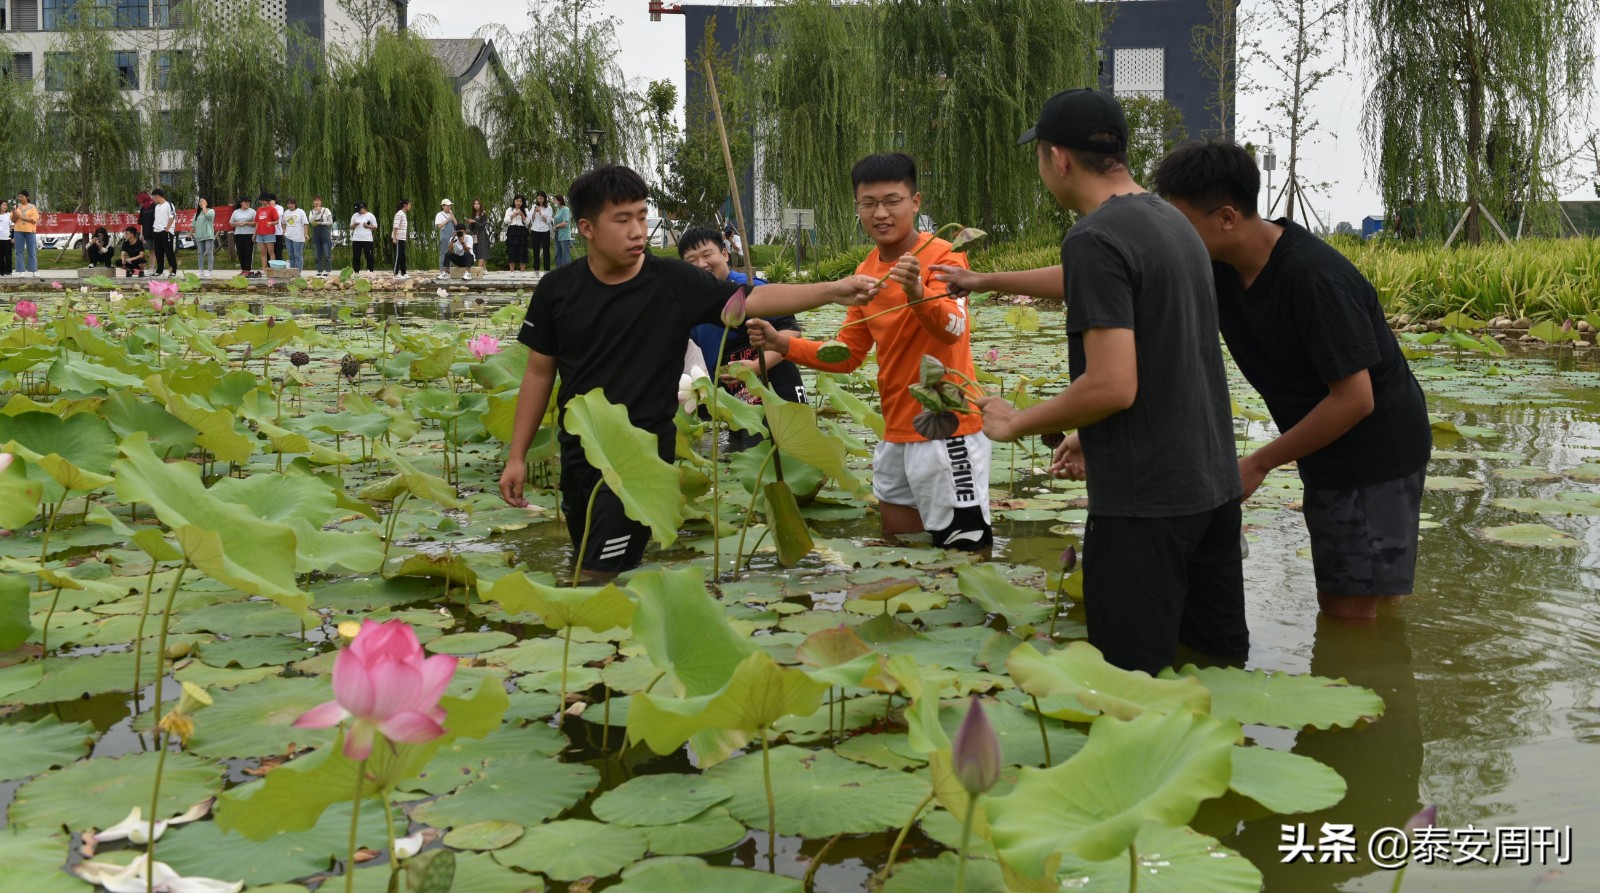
(617, 320)
(1307, 330)
(131, 258)
(1149, 399)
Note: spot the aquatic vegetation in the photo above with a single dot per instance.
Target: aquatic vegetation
(191, 511)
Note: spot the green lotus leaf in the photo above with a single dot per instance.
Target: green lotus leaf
(1538, 536)
(983, 584)
(470, 643)
(573, 849)
(1565, 504)
(31, 748)
(216, 428)
(1257, 697)
(684, 631)
(19, 496)
(222, 539)
(794, 428)
(484, 835)
(1171, 860)
(1285, 782)
(629, 462)
(464, 759)
(1156, 768)
(85, 441)
(1018, 732)
(1081, 685)
(838, 656)
(707, 832)
(256, 720)
(410, 479)
(203, 849)
(923, 875)
(758, 694)
(856, 408)
(820, 794)
(101, 792)
(659, 800)
(694, 876)
(449, 566)
(15, 624)
(922, 689)
(525, 792)
(594, 608)
(34, 861)
(294, 796)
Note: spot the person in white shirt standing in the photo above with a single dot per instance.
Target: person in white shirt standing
(165, 230)
(399, 232)
(294, 222)
(321, 235)
(444, 223)
(5, 238)
(362, 225)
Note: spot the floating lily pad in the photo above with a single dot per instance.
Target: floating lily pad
(34, 860)
(1557, 506)
(1452, 483)
(526, 793)
(659, 800)
(1171, 860)
(203, 849)
(1540, 536)
(31, 748)
(707, 832)
(1285, 700)
(247, 652)
(101, 792)
(694, 876)
(1525, 473)
(484, 835)
(575, 848)
(465, 759)
(819, 793)
(924, 875)
(470, 643)
(1285, 782)
(258, 719)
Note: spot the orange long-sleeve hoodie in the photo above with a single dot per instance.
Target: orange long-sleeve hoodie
(937, 328)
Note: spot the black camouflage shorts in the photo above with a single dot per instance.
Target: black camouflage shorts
(1364, 539)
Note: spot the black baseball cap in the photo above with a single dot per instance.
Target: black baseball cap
(1071, 116)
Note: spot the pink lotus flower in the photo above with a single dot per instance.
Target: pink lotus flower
(56, 285)
(156, 304)
(484, 346)
(992, 355)
(733, 311)
(164, 289)
(92, 321)
(5, 461)
(27, 310)
(382, 681)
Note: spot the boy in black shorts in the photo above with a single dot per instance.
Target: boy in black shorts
(1306, 329)
(1149, 398)
(617, 320)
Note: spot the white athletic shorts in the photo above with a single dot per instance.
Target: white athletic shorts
(946, 480)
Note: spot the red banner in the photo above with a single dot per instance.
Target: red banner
(56, 224)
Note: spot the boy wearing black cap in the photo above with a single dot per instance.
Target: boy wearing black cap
(1149, 399)
(1307, 330)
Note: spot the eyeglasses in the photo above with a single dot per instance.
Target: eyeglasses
(891, 204)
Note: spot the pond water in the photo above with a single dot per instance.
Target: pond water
(1486, 672)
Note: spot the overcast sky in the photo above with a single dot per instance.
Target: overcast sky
(654, 50)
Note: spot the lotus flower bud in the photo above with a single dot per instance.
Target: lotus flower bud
(992, 355)
(967, 236)
(27, 310)
(833, 352)
(940, 425)
(1427, 818)
(92, 321)
(733, 311)
(976, 752)
(1069, 559)
(932, 371)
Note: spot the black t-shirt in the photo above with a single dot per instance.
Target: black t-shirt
(1310, 319)
(1136, 263)
(133, 248)
(628, 339)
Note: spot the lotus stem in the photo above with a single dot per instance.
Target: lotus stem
(745, 527)
(716, 470)
(566, 649)
(808, 882)
(44, 634)
(583, 546)
(50, 525)
(161, 653)
(966, 839)
(772, 804)
(605, 724)
(1043, 737)
(138, 641)
(388, 824)
(898, 307)
(155, 800)
(918, 250)
(355, 820)
(900, 839)
(1133, 869)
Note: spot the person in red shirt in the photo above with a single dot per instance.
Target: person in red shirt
(267, 228)
(941, 486)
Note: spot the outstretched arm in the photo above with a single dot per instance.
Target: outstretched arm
(1044, 282)
(1108, 385)
(787, 300)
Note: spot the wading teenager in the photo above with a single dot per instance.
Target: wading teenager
(1307, 331)
(617, 321)
(1149, 399)
(941, 486)
(703, 247)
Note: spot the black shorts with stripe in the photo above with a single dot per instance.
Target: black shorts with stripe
(616, 541)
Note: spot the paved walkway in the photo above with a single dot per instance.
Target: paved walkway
(381, 281)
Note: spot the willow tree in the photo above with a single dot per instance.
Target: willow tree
(238, 85)
(386, 124)
(562, 79)
(1216, 46)
(24, 140)
(91, 126)
(1470, 99)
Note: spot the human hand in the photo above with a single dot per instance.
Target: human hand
(1068, 460)
(764, 337)
(733, 381)
(908, 275)
(959, 280)
(511, 483)
(998, 416)
(1251, 473)
(854, 291)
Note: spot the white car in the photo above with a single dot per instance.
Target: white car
(59, 241)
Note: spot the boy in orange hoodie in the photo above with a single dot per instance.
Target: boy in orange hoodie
(941, 486)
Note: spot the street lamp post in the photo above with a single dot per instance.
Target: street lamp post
(594, 146)
(1269, 163)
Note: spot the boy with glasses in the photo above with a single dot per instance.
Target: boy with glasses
(941, 486)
